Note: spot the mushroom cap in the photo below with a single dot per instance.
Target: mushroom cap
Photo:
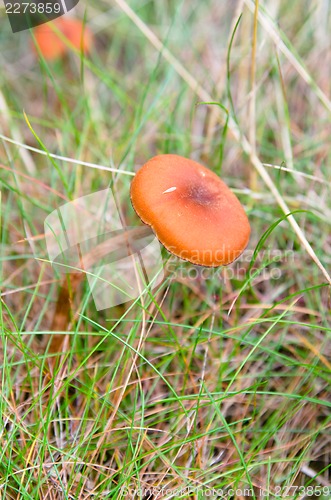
(52, 46)
(78, 34)
(191, 210)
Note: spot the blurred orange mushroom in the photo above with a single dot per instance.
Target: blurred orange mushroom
(50, 37)
(191, 210)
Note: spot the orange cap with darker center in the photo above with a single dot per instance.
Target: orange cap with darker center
(192, 212)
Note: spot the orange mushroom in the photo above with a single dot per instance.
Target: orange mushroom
(77, 33)
(191, 210)
(51, 43)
